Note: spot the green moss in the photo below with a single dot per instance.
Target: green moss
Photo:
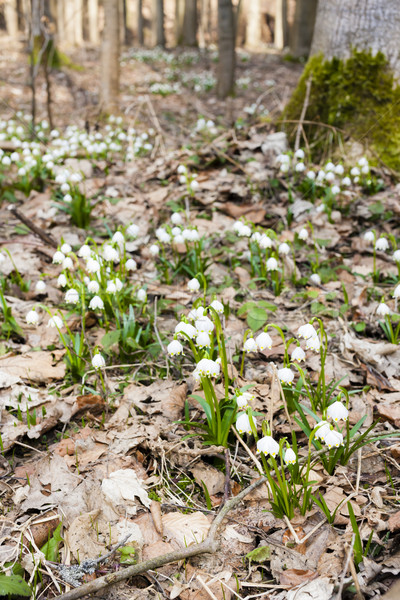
(359, 97)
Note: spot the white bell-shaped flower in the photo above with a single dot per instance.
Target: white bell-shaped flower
(141, 295)
(243, 401)
(204, 324)
(217, 306)
(55, 322)
(285, 375)
(98, 361)
(243, 423)
(203, 340)
(268, 446)
(84, 251)
(383, 310)
(250, 345)
(32, 318)
(284, 249)
(174, 348)
(72, 296)
(382, 244)
(334, 439)
(313, 343)
(303, 234)
(96, 303)
(131, 264)
(306, 331)
(58, 257)
(263, 340)
(187, 329)
(208, 367)
(93, 265)
(61, 280)
(93, 286)
(193, 285)
(337, 412)
(322, 428)
(290, 457)
(40, 287)
(298, 354)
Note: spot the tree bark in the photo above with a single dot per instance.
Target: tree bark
(252, 12)
(281, 24)
(131, 21)
(69, 22)
(110, 57)
(226, 48)
(158, 23)
(93, 19)
(303, 27)
(361, 24)
(78, 22)
(179, 18)
(140, 22)
(190, 23)
(11, 17)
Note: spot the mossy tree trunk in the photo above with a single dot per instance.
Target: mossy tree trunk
(226, 48)
(370, 25)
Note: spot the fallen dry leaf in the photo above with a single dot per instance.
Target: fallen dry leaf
(185, 530)
(294, 577)
(36, 367)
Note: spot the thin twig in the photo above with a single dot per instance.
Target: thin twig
(303, 114)
(249, 452)
(45, 237)
(346, 566)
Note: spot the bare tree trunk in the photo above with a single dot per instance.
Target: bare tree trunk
(140, 22)
(303, 27)
(361, 24)
(78, 22)
(179, 18)
(93, 18)
(190, 23)
(110, 57)
(281, 24)
(69, 22)
(11, 17)
(252, 10)
(132, 21)
(158, 32)
(226, 48)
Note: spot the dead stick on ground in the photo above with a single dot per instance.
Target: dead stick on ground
(209, 546)
(303, 114)
(45, 237)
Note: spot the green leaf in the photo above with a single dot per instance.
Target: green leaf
(14, 585)
(110, 338)
(50, 549)
(260, 554)
(256, 318)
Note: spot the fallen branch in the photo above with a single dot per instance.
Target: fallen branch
(45, 237)
(209, 546)
(303, 114)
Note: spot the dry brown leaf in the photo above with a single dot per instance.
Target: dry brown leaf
(213, 479)
(155, 509)
(318, 589)
(82, 537)
(185, 530)
(394, 521)
(33, 366)
(295, 577)
(163, 397)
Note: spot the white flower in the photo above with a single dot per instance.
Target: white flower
(67, 198)
(131, 264)
(339, 169)
(65, 188)
(363, 161)
(118, 238)
(181, 169)
(118, 284)
(176, 231)
(93, 266)
(365, 170)
(243, 424)
(355, 171)
(111, 288)
(96, 302)
(244, 399)
(66, 248)
(334, 439)
(204, 324)
(381, 244)
(193, 285)
(194, 185)
(337, 412)
(250, 345)
(186, 328)
(176, 218)
(299, 154)
(298, 354)
(72, 296)
(265, 242)
(315, 278)
(196, 313)
(303, 234)
(369, 236)
(61, 280)
(284, 248)
(322, 429)
(141, 295)
(175, 347)
(84, 251)
(264, 341)
(58, 257)
(335, 189)
(256, 237)
(313, 343)
(178, 239)
(208, 367)
(110, 254)
(32, 318)
(98, 361)
(330, 177)
(133, 230)
(55, 322)
(329, 166)
(93, 286)
(285, 375)
(154, 250)
(67, 263)
(396, 256)
(346, 181)
(290, 457)
(267, 445)
(237, 226)
(272, 264)
(40, 287)
(245, 231)
(383, 309)
(306, 331)
(203, 340)
(163, 236)
(300, 167)
(396, 293)
(217, 306)
(310, 175)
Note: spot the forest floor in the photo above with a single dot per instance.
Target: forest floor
(93, 455)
